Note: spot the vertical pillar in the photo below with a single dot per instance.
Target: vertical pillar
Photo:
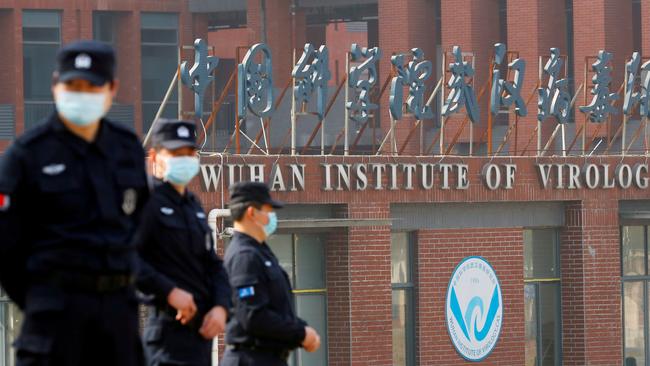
(534, 26)
(404, 25)
(370, 287)
(338, 299)
(279, 34)
(129, 60)
(591, 284)
(601, 24)
(474, 26)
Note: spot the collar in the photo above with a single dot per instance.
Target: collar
(245, 238)
(170, 192)
(79, 145)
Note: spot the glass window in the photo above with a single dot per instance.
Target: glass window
(634, 271)
(159, 32)
(105, 27)
(310, 263)
(10, 321)
(542, 298)
(41, 42)
(403, 313)
(634, 320)
(302, 256)
(540, 248)
(633, 250)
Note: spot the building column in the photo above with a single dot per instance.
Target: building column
(404, 25)
(129, 63)
(279, 34)
(474, 26)
(370, 287)
(534, 26)
(601, 24)
(8, 74)
(338, 299)
(591, 284)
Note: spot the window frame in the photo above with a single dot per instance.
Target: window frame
(645, 281)
(537, 282)
(296, 292)
(409, 288)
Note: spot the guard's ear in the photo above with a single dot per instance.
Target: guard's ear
(250, 211)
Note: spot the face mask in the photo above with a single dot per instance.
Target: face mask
(82, 109)
(270, 228)
(181, 169)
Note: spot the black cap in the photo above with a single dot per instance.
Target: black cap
(252, 192)
(89, 60)
(174, 133)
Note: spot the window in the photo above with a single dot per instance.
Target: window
(10, 320)
(105, 27)
(159, 34)
(302, 256)
(634, 263)
(402, 255)
(542, 297)
(41, 42)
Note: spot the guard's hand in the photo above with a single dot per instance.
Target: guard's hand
(312, 340)
(183, 302)
(214, 322)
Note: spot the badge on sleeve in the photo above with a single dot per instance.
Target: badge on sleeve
(5, 202)
(245, 292)
(129, 201)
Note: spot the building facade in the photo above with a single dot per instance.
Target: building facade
(374, 239)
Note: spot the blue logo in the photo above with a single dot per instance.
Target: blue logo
(474, 308)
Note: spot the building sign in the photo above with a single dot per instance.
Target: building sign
(474, 308)
(426, 176)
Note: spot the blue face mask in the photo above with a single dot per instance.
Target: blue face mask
(181, 169)
(79, 108)
(270, 228)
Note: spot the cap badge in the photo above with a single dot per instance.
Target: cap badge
(183, 132)
(82, 61)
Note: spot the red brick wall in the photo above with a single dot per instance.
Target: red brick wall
(439, 252)
(370, 287)
(601, 24)
(591, 284)
(338, 299)
(405, 25)
(475, 28)
(534, 26)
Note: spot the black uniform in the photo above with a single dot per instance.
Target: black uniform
(263, 328)
(69, 213)
(176, 245)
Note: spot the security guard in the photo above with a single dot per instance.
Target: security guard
(72, 190)
(181, 268)
(264, 328)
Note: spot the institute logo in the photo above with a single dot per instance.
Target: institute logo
(474, 308)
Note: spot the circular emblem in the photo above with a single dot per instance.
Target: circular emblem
(183, 132)
(474, 308)
(129, 201)
(83, 61)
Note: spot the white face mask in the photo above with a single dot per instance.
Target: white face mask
(81, 108)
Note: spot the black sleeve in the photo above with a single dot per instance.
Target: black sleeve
(148, 280)
(13, 246)
(252, 309)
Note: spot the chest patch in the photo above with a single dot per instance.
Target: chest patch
(129, 201)
(5, 202)
(167, 211)
(54, 169)
(245, 292)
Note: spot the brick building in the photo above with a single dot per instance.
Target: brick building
(371, 240)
